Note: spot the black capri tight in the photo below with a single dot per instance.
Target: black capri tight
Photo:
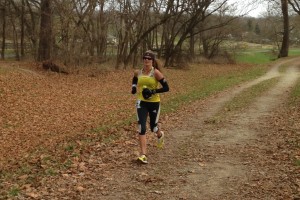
(145, 108)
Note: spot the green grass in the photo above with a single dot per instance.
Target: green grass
(243, 99)
(261, 56)
(294, 52)
(256, 56)
(50, 172)
(247, 96)
(99, 129)
(70, 147)
(14, 191)
(110, 138)
(210, 86)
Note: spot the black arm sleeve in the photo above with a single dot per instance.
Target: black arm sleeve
(165, 86)
(134, 81)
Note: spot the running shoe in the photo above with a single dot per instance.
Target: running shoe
(161, 140)
(143, 159)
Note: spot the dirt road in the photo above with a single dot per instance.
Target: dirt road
(234, 158)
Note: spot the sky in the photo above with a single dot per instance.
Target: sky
(255, 9)
(257, 12)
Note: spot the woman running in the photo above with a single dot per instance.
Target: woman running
(145, 84)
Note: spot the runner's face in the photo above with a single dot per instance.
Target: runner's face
(147, 60)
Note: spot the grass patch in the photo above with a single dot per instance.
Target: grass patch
(243, 99)
(111, 138)
(67, 164)
(261, 56)
(50, 172)
(14, 191)
(98, 129)
(246, 97)
(297, 163)
(101, 129)
(294, 52)
(256, 56)
(210, 86)
(70, 148)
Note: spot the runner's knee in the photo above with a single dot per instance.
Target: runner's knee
(142, 130)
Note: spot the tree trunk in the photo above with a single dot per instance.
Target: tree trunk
(44, 51)
(3, 9)
(285, 40)
(102, 27)
(192, 45)
(22, 28)
(15, 39)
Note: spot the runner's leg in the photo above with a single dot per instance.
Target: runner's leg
(154, 112)
(142, 113)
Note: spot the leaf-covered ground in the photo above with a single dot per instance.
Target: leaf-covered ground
(73, 137)
(41, 109)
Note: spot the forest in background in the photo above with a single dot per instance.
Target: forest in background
(88, 32)
(65, 137)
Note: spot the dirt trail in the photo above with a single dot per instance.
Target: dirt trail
(201, 160)
(228, 171)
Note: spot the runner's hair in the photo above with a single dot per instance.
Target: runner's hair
(156, 64)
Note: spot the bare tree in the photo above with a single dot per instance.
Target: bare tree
(101, 33)
(27, 11)
(125, 22)
(14, 35)
(22, 24)
(214, 30)
(285, 40)
(295, 5)
(3, 7)
(145, 31)
(79, 30)
(44, 51)
(135, 23)
(193, 22)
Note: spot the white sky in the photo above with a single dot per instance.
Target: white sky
(255, 8)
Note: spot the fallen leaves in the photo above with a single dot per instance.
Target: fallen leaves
(69, 126)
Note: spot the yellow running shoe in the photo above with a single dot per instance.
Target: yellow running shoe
(161, 140)
(143, 159)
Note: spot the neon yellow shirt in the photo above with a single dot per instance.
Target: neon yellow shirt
(147, 81)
